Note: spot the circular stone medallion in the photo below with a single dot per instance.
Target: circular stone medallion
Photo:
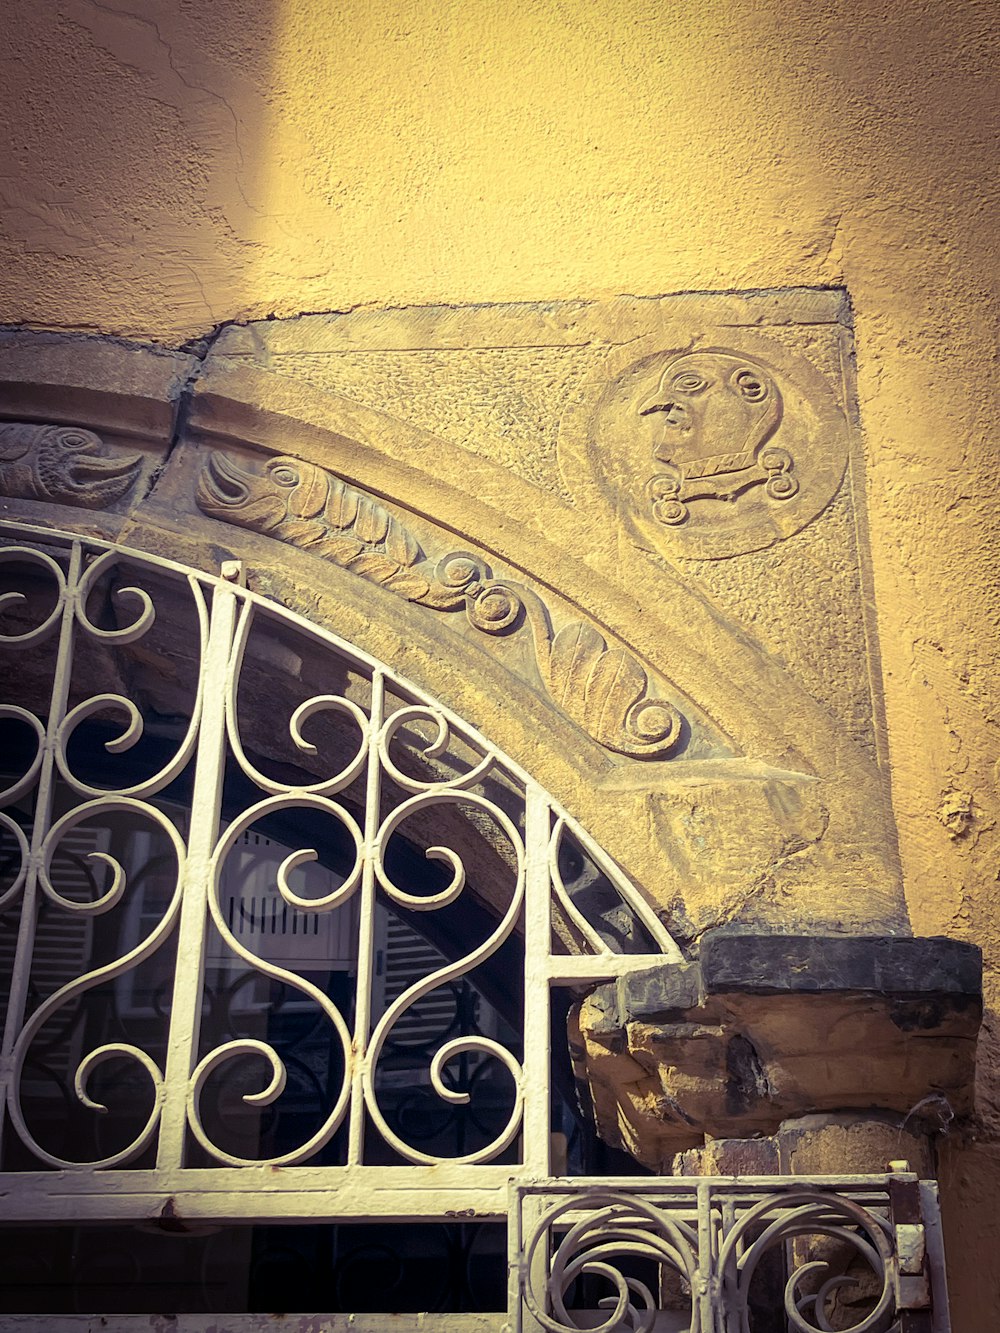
(714, 452)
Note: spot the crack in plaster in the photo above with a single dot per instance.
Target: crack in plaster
(200, 349)
(145, 21)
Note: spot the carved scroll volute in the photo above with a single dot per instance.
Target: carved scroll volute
(605, 691)
(63, 465)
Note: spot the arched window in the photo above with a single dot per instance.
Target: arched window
(288, 952)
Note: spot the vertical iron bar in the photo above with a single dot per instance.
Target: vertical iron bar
(366, 927)
(515, 1251)
(707, 1297)
(206, 805)
(527, 1205)
(930, 1211)
(537, 947)
(42, 818)
(904, 1210)
(727, 1220)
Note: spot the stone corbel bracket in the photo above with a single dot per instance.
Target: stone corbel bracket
(605, 691)
(763, 1028)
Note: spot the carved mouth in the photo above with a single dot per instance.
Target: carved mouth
(92, 471)
(714, 465)
(84, 478)
(222, 484)
(653, 403)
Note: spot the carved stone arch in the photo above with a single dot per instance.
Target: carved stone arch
(738, 790)
(705, 765)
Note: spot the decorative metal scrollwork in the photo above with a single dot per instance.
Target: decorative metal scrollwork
(613, 1257)
(49, 782)
(67, 994)
(173, 717)
(233, 1050)
(217, 823)
(813, 1214)
(446, 795)
(609, 1228)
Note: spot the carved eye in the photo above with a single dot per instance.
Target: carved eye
(285, 475)
(688, 382)
(74, 439)
(750, 386)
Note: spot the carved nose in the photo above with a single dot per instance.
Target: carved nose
(674, 412)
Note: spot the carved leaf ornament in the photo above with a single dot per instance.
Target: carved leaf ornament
(612, 686)
(603, 690)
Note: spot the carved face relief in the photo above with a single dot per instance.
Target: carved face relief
(707, 403)
(716, 412)
(715, 452)
(287, 489)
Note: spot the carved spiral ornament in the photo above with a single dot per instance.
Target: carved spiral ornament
(460, 569)
(495, 608)
(307, 507)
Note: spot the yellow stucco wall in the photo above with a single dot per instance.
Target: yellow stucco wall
(176, 164)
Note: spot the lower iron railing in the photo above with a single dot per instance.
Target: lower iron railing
(852, 1254)
(716, 1255)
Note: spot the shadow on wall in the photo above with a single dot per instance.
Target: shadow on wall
(969, 1175)
(151, 178)
(183, 163)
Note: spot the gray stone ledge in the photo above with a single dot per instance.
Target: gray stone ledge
(733, 960)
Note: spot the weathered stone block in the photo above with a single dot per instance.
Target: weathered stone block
(817, 1145)
(592, 528)
(729, 1157)
(768, 1027)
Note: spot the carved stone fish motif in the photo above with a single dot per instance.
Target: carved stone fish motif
(63, 465)
(303, 505)
(604, 691)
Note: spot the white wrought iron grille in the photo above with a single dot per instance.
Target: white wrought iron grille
(202, 732)
(279, 938)
(861, 1254)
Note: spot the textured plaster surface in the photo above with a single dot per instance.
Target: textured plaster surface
(173, 165)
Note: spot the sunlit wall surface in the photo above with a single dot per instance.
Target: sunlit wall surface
(173, 165)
